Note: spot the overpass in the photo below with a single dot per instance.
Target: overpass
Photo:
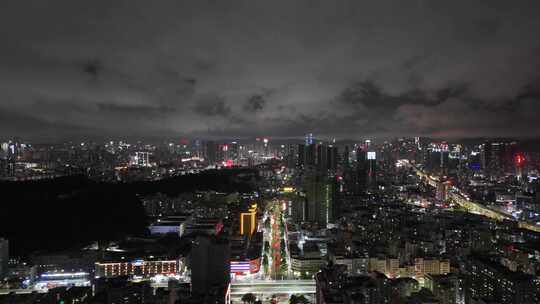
(261, 288)
(272, 287)
(472, 206)
(21, 291)
(477, 208)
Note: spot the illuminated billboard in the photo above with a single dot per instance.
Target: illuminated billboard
(371, 155)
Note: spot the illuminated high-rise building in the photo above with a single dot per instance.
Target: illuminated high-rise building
(497, 157)
(519, 160)
(371, 157)
(314, 188)
(4, 148)
(367, 144)
(291, 155)
(298, 209)
(234, 151)
(309, 139)
(138, 267)
(198, 148)
(140, 159)
(320, 197)
(248, 221)
(224, 153)
(442, 191)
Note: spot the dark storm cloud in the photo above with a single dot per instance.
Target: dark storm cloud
(139, 111)
(13, 122)
(277, 68)
(92, 68)
(212, 106)
(255, 103)
(370, 95)
(364, 92)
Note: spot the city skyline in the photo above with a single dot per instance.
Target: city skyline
(270, 152)
(282, 69)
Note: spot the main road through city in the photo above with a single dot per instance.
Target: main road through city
(276, 283)
(275, 235)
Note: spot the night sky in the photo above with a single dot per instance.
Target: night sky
(345, 69)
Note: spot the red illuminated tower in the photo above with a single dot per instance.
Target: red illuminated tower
(519, 160)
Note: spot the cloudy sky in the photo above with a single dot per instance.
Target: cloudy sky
(347, 69)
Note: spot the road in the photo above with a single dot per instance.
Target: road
(266, 289)
(21, 291)
(456, 196)
(277, 230)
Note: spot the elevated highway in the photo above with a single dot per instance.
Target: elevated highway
(272, 287)
(472, 206)
(21, 291)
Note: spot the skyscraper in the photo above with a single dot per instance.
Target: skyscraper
(361, 173)
(322, 160)
(234, 151)
(311, 152)
(493, 157)
(142, 159)
(210, 266)
(371, 169)
(298, 207)
(301, 155)
(345, 159)
(211, 152)
(248, 221)
(291, 155)
(309, 139)
(438, 158)
(4, 257)
(332, 158)
(320, 195)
